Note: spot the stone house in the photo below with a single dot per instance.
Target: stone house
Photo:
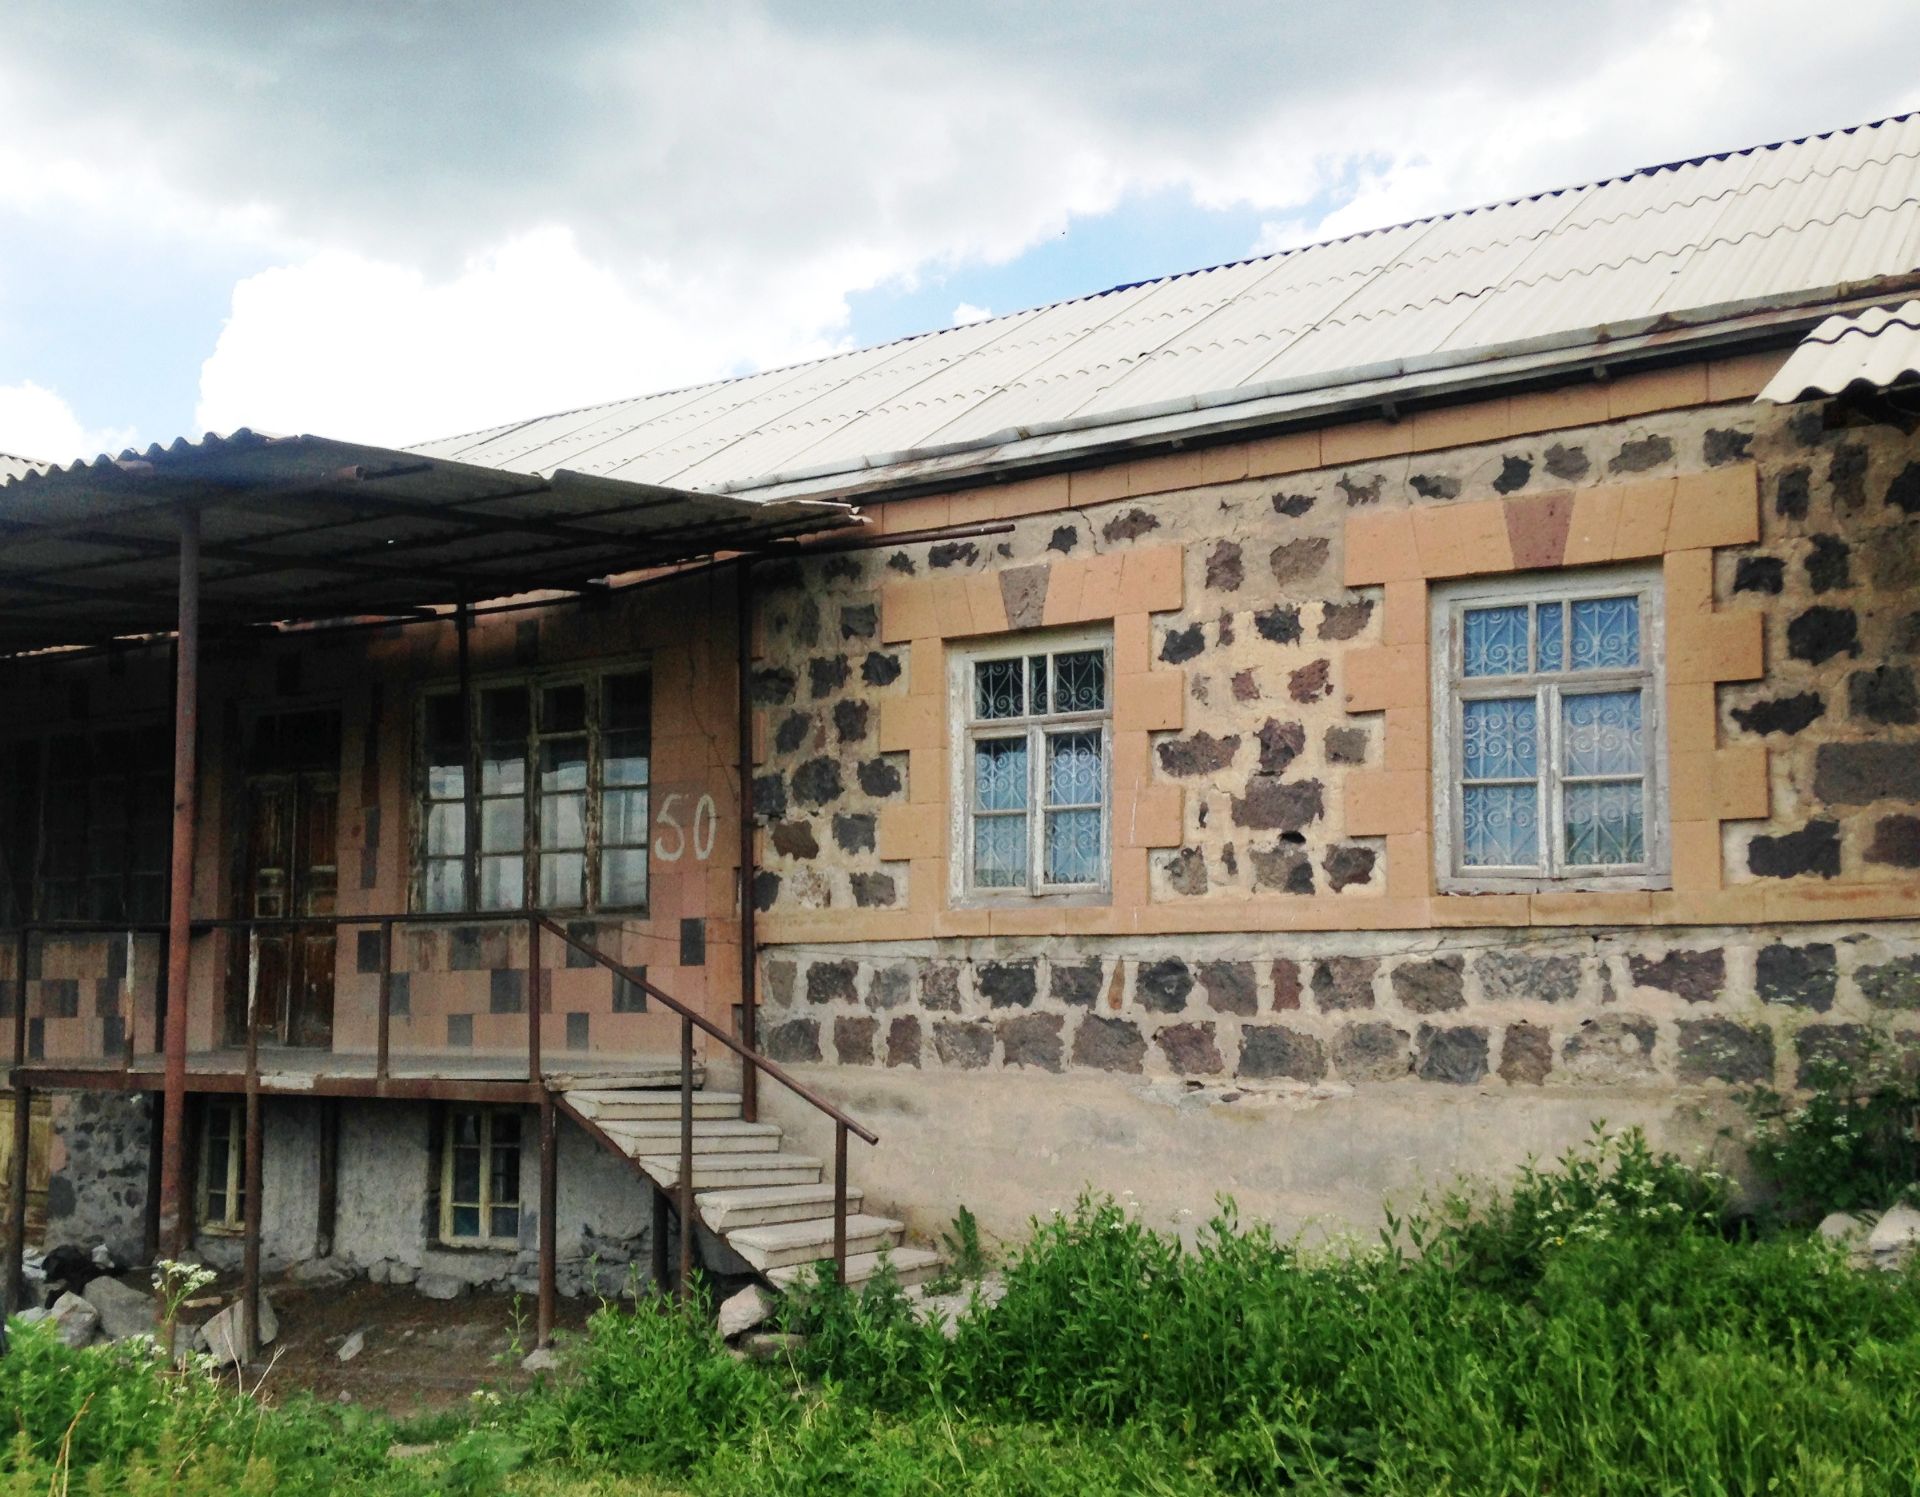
(1297, 730)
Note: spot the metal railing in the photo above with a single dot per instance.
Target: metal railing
(536, 922)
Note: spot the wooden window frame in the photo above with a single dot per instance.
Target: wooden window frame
(964, 728)
(535, 684)
(233, 1185)
(1451, 688)
(486, 1205)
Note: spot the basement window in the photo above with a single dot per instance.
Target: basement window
(223, 1175)
(1549, 748)
(480, 1178)
(540, 797)
(1033, 724)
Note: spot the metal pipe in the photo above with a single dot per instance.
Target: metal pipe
(534, 1068)
(549, 1209)
(749, 955)
(686, 1157)
(382, 1044)
(840, 1203)
(16, 1275)
(180, 884)
(21, 953)
(127, 1008)
(469, 761)
(250, 1249)
(657, 1241)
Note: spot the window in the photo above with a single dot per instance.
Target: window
(87, 818)
(1549, 747)
(480, 1177)
(223, 1176)
(1031, 791)
(559, 811)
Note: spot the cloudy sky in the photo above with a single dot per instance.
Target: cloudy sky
(397, 219)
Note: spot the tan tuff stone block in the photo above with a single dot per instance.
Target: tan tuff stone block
(1357, 441)
(1741, 788)
(1028, 496)
(911, 723)
(1460, 425)
(1591, 907)
(1466, 911)
(1158, 817)
(1691, 795)
(1692, 726)
(1153, 578)
(1386, 676)
(1658, 390)
(1154, 701)
(927, 774)
(910, 832)
(1596, 515)
(1720, 647)
(1696, 855)
(1646, 507)
(1295, 452)
(986, 604)
(1064, 583)
(1132, 643)
(1381, 548)
(903, 516)
(1409, 865)
(1132, 757)
(927, 668)
(1687, 578)
(1583, 404)
(1100, 592)
(1130, 885)
(1720, 507)
(1186, 470)
(1742, 377)
(1381, 803)
(906, 612)
(926, 884)
(1462, 540)
(1739, 906)
(951, 612)
(1409, 738)
(1406, 614)
(1097, 485)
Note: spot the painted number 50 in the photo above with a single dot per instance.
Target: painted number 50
(671, 845)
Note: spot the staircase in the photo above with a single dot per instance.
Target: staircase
(765, 1200)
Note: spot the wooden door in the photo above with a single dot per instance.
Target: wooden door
(290, 870)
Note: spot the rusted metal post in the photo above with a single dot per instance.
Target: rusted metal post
(840, 1203)
(749, 957)
(534, 1067)
(326, 1214)
(21, 955)
(549, 1210)
(686, 1157)
(128, 1008)
(180, 883)
(657, 1241)
(16, 1275)
(382, 1052)
(250, 1249)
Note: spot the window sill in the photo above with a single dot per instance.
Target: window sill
(1644, 883)
(1019, 899)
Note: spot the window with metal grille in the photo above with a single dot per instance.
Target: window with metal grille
(480, 1176)
(538, 793)
(1548, 743)
(1033, 753)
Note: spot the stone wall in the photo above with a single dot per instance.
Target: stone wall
(97, 1180)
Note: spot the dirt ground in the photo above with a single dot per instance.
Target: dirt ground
(419, 1356)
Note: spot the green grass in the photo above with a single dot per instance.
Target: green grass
(1598, 1328)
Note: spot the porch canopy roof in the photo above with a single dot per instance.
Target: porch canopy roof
(305, 528)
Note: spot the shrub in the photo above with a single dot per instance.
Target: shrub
(1849, 1145)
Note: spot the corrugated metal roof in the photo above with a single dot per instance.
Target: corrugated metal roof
(1879, 347)
(1797, 224)
(304, 528)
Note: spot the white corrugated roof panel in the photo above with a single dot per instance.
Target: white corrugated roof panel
(1879, 348)
(1795, 225)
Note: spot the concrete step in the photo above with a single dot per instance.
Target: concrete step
(710, 1136)
(714, 1171)
(638, 1106)
(725, 1210)
(910, 1266)
(781, 1243)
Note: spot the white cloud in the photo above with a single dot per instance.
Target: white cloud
(967, 312)
(36, 423)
